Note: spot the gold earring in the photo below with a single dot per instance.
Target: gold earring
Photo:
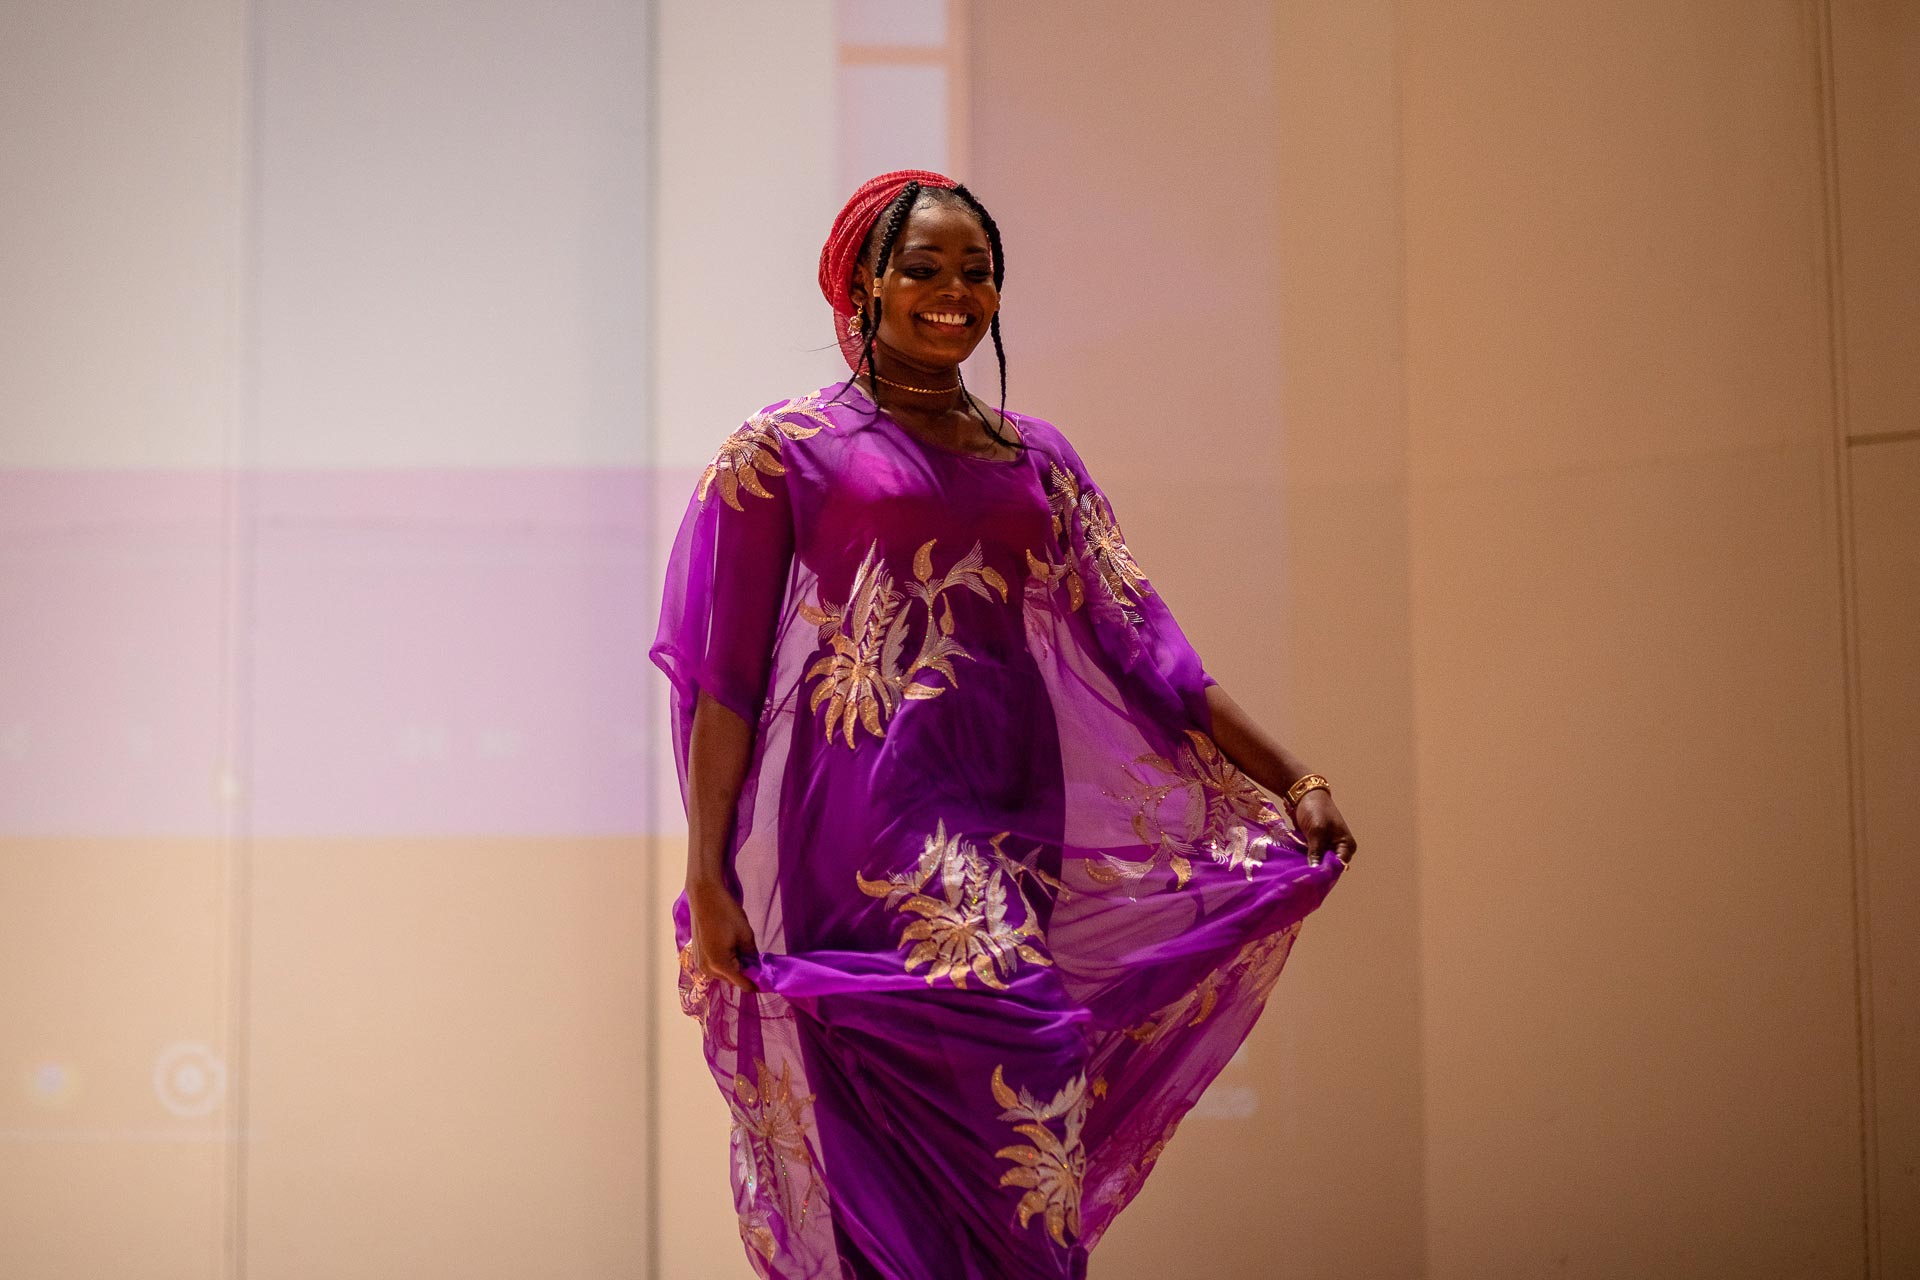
(854, 328)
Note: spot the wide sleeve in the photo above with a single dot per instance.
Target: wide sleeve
(1130, 621)
(726, 580)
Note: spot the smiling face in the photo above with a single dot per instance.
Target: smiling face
(938, 296)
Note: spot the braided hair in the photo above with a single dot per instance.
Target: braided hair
(888, 226)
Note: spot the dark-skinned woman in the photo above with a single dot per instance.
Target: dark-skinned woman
(987, 878)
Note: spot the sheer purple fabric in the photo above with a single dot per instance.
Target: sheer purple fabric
(1014, 908)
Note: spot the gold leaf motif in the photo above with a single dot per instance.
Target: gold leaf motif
(1255, 967)
(1190, 1010)
(862, 680)
(693, 984)
(1050, 1165)
(1124, 580)
(826, 620)
(700, 1000)
(1112, 561)
(1137, 1171)
(1051, 575)
(752, 449)
(759, 1238)
(962, 928)
(1196, 803)
(1063, 496)
(772, 1159)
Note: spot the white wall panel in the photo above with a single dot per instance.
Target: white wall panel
(746, 195)
(453, 240)
(122, 132)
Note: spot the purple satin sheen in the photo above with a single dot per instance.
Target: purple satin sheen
(1014, 909)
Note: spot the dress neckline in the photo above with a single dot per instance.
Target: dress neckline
(940, 448)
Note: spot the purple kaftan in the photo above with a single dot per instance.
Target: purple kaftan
(1014, 907)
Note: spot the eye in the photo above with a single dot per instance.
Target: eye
(920, 273)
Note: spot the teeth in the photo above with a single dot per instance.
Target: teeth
(944, 318)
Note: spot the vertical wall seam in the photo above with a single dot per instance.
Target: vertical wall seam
(238, 526)
(1396, 77)
(959, 54)
(1826, 108)
(650, 841)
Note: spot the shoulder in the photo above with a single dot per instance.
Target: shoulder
(796, 417)
(1048, 440)
(819, 407)
(1036, 430)
(757, 456)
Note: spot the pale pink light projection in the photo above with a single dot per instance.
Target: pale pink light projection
(452, 653)
(378, 636)
(413, 653)
(113, 653)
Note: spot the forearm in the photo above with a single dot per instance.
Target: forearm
(1250, 748)
(717, 759)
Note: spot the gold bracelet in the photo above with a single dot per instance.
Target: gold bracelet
(1299, 789)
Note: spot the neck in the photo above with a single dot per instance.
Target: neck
(927, 390)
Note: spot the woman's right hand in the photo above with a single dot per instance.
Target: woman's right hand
(721, 935)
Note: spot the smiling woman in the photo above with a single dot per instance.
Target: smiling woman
(921, 303)
(987, 877)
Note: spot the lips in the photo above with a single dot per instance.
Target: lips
(945, 321)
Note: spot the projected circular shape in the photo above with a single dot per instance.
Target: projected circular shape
(189, 1079)
(51, 1084)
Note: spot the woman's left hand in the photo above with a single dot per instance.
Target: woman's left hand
(1319, 823)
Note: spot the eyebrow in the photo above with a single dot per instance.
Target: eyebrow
(934, 248)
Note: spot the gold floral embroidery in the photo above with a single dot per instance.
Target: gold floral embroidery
(1220, 816)
(1255, 967)
(1051, 575)
(771, 1157)
(1050, 1165)
(1259, 963)
(1063, 495)
(963, 928)
(1137, 1170)
(753, 449)
(759, 1238)
(1112, 560)
(700, 999)
(693, 985)
(1198, 1003)
(861, 680)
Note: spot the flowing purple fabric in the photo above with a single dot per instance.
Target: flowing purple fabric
(1014, 908)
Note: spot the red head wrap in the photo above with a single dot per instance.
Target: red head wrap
(849, 232)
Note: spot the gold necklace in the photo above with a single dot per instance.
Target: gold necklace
(925, 391)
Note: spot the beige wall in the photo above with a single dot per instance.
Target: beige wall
(335, 236)
(1545, 403)
(121, 279)
(122, 265)
(1636, 906)
(1202, 291)
(1875, 166)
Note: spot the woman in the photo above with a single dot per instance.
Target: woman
(981, 892)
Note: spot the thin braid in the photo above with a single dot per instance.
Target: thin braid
(896, 218)
(999, 278)
(888, 223)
